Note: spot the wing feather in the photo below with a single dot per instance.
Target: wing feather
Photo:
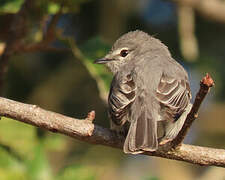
(174, 94)
(121, 96)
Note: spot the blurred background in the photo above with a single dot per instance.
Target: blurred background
(47, 49)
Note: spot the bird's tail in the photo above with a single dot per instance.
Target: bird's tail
(142, 135)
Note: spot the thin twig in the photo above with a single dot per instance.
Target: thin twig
(11, 151)
(80, 56)
(48, 38)
(205, 84)
(41, 47)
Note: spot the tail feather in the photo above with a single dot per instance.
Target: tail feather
(142, 135)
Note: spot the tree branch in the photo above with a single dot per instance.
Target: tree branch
(205, 84)
(186, 28)
(85, 130)
(17, 30)
(211, 9)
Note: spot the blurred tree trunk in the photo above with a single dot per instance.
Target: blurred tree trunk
(113, 17)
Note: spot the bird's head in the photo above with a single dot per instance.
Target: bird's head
(129, 46)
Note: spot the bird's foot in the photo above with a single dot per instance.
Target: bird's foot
(164, 141)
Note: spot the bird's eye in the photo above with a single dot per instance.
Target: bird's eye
(124, 53)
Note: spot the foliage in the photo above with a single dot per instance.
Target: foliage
(24, 156)
(77, 172)
(94, 49)
(48, 7)
(10, 6)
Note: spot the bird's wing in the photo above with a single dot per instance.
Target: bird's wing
(174, 95)
(122, 95)
(142, 131)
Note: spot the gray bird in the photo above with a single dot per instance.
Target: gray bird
(150, 94)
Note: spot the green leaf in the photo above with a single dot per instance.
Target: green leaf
(10, 167)
(77, 172)
(38, 167)
(93, 49)
(18, 136)
(69, 6)
(53, 7)
(10, 6)
(151, 178)
(88, 52)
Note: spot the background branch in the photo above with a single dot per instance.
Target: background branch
(186, 28)
(85, 130)
(17, 30)
(211, 9)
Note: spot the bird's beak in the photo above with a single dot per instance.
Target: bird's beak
(102, 61)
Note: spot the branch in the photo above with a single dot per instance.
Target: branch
(85, 130)
(186, 28)
(211, 9)
(205, 84)
(48, 38)
(79, 55)
(41, 46)
(17, 30)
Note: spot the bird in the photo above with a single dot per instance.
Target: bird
(150, 94)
